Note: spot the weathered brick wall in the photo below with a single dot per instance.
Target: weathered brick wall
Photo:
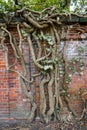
(12, 99)
(77, 88)
(4, 100)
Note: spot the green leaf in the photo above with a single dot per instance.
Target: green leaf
(46, 67)
(49, 61)
(61, 72)
(50, 43)
(51, 67)
(48, 49)
(80, 49)
(24, 33)
(70, 68)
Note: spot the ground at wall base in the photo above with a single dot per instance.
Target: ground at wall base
(37, 125)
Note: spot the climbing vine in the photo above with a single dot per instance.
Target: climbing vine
(48, 31)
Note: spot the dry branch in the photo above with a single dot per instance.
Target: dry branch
(42, 97)
(33, 53)
(51, 98)
(30, 96)
(11, 42)
(34, 23)
(20, 38)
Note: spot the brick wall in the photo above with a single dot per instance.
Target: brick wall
(12, 99)
(4, 91)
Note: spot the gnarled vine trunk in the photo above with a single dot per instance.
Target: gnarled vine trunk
(50, 62)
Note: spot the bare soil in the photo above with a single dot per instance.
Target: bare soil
(37, 125)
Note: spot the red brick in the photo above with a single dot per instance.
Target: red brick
(10, 88)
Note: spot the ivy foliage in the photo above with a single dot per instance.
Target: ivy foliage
(6, 6)
(62, 6)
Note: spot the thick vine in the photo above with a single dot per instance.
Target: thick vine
(50, 62)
